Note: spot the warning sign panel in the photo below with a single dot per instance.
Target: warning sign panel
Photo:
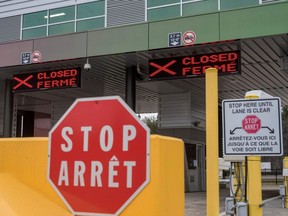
(252, 127)
(46, 80)
(227, 63)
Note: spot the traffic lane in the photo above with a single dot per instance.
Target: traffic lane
(195, 202)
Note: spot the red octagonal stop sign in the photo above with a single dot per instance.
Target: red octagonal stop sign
(251, 124)
(99, 156)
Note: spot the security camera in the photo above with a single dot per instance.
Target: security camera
(87, 67)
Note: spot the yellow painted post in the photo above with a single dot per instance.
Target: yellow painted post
(254, 182)
(285, 167)
(254, 186)
(212, 177)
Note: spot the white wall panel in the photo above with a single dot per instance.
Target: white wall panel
(174, 110)
(185, 110)
(18, 7)
(10, 28)
(125, 12)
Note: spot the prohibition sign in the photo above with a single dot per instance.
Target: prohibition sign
(36, 57)
(189, 37)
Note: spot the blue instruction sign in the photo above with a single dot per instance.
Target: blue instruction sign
(25, 58)
(175, 39)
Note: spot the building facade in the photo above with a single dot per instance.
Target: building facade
(117, 38)
(22, 20)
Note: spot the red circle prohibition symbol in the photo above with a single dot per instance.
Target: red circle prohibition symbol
(189, 38)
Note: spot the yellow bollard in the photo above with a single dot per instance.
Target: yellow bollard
(212, 141)
(254, 190)
(285, 168)
(254, 181)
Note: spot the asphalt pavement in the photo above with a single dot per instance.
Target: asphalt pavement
(195, 202)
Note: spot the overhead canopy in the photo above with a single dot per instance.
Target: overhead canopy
(258, 32)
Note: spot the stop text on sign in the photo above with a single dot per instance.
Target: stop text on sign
(194, 66)
(251, 124)
(97, 168)
(99, 156)
(45, 80)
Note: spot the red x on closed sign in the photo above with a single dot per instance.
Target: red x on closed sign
(22, 82)
(164, 68)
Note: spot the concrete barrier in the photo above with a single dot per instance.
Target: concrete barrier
(25, 191)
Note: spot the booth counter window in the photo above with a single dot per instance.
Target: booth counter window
(81, 17)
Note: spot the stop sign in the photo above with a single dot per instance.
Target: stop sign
(251, 124)
(99, 156)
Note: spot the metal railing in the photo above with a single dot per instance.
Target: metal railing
(272, 176)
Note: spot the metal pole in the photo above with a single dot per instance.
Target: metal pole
(131, 86)
(211, 80)
(8, 109)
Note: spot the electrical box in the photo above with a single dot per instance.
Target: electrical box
(241, 209)
(229, 205)
(282, 190)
